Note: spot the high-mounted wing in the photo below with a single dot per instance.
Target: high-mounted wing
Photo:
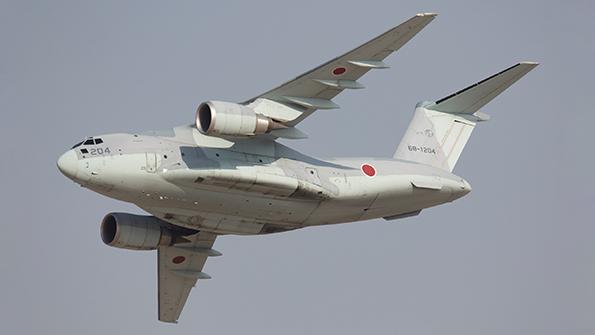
(296, 99)
(179, 267)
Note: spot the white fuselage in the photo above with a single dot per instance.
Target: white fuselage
(253, 188)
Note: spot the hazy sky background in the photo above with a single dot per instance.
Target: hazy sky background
(516, 256)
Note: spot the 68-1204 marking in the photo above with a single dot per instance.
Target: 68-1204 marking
(422, 149)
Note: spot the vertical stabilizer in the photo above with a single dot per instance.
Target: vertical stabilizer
(439, 130)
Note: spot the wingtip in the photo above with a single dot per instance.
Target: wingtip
(168, 321)
(427, 14)
(530, 63)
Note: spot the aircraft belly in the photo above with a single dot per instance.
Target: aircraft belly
(415, 192)
(241, 198)
(362, 198)
(230, 212)
(257, 180)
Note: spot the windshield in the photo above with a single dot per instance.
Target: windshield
(88, 141)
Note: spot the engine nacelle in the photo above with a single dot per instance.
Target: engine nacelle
(227, 118)
(136, 232)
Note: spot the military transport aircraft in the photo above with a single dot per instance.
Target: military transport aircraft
(227, 174)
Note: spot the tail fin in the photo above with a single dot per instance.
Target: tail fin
(439, 130)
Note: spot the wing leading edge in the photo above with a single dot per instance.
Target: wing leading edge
(300, 97)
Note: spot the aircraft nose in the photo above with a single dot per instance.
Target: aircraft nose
(68, 164)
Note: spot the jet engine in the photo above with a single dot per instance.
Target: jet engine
(231, 119)
(135, 232)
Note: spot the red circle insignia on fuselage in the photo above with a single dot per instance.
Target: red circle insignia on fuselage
(178, 259)
(368, 170)
(339, 71)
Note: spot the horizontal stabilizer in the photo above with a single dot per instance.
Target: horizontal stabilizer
(472, 98)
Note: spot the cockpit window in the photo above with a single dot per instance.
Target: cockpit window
(88, 141)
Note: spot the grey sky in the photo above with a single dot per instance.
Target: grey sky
(516, 256)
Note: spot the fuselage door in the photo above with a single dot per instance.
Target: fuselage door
(152, 162)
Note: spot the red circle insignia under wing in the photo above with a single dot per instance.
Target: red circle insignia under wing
(339, 71)
(178, 259)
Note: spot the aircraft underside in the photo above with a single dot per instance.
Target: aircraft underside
(225, 211)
